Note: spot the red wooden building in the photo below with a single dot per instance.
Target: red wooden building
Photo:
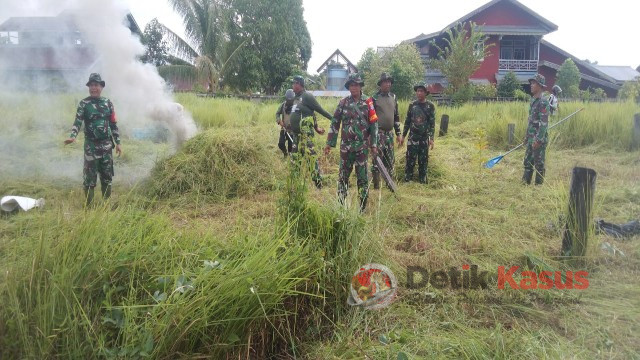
(515, 43)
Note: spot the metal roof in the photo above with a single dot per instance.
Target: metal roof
(338, 53)
(325, 93)
(578, 61)
(522, 77)
(511, 30)
(593, 79)
(620, 73)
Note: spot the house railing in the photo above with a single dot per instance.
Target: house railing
(518, 65)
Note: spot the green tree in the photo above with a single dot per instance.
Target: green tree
(403, 63)
(205, 22)
(568, 78)
(630, 90)
(365, 65)
(278, 43)
(508, 86)
(156, 48)
(461, 56)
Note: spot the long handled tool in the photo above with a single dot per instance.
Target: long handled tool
(386, 176)
(492, 162)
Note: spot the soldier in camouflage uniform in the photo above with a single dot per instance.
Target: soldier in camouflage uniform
(303, 121)
(100, 132)
(536, 140)
(359, 131)
(283, 118)
(386, 106)
(421, 121)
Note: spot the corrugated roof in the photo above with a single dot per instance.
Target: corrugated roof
(325, 93)
(620, 73)
(512, 30)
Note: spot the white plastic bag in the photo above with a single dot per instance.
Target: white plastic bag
(10, 203)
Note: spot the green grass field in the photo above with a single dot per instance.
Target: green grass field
(222, 251)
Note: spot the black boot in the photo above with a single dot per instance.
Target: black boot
(88, 195)
(527, 176)
(539, 177)
(106, 191)
(376, 180)
(423, 178)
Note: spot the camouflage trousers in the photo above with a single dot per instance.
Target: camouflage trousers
(385, 152)
(303, 145)
(98, 159)
(419, 150)
(348, 159)
(534, 158)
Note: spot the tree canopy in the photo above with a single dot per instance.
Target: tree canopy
(568, 78)
(156, 48)
(402, 62)
(243, 44)
(461, 55)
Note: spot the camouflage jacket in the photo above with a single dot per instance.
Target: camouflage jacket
(99, 120)
(305, 105)
(382, 115)
(538, 120)
(421, 121)
(358, 130)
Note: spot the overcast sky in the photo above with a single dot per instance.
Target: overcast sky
(598, 31)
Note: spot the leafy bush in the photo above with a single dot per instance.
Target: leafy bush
(520, 95)
(485, 91)
(508, 86)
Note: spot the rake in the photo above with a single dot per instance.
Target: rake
(492, 162)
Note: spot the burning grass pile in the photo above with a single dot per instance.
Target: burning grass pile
(218, 164)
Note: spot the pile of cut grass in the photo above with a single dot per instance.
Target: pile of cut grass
(217, 164)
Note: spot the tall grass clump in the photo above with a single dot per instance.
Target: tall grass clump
(127, 284)
(223, 113)
(216, 163)
(605, 124)
(332, 232)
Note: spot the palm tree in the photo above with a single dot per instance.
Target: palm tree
(205, 22)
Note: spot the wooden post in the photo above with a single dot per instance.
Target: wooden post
(579, 221)
(511, 129)
(444, 125)
(635, 144)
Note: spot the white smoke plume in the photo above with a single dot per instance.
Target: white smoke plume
(136, 88)
(139, 94)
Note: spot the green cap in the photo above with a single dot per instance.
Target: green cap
(298, 79)
(95, 77)
(539, 79)
(353, 78)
